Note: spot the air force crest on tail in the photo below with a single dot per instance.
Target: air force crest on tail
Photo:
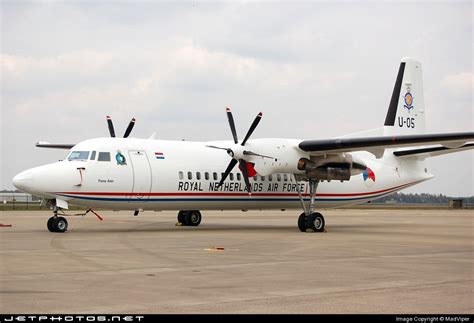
(408, 100)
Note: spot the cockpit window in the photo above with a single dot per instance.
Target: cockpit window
(104, 156)
(93, 155)
(78, 155)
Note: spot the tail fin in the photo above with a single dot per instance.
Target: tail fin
(406, 112)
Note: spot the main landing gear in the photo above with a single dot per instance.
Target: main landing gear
(57, 223)
(310, 220)
(190, 218)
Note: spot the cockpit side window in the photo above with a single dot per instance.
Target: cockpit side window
(104, 156)
(93, 155)
(78, 155)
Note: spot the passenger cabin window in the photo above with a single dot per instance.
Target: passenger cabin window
(181, 175)
(198, 176)
(206, 176)
(214, 176)
(93, 155)
(285, 177)
(279, 177)
(104, 156)
(79, 155)
(239, 177)
(231, 176)
(270, 178)
(262, 178)
(190, 175)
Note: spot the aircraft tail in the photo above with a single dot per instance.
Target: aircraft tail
(406, 112)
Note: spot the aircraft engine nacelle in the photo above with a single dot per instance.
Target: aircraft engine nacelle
(332, 167)
(281, 156)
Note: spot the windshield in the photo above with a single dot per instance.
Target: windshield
(79, 155)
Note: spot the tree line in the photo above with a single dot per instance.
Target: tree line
(421, 198)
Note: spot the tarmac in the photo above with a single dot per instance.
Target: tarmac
(368, 261)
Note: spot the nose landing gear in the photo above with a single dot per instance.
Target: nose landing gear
(57, 223)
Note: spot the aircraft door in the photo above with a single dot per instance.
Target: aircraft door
(141, 174)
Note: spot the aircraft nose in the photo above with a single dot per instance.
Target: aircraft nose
(23, 181)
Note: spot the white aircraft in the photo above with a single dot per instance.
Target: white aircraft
(274, 173)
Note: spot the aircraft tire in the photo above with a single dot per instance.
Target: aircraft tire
(316, 222)
(302, 222)
(193, 218)
(50, 224)
(60, 224)
(182, 217)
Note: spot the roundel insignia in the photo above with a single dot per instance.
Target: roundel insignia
(120, 159)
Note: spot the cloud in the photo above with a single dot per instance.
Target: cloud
(460, 84)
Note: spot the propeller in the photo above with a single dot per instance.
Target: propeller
(237, 152)
(129, 128)
(112, 130)
(111, 127)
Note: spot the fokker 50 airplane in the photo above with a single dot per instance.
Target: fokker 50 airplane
(273, 173)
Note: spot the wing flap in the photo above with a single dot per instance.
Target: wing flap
(431, 151)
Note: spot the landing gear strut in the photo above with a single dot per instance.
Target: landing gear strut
(189, 218)
(57, 223)
(310, 220)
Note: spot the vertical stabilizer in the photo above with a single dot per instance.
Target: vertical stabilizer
(406, 112)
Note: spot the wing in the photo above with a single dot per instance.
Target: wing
(377, 145)
(43, 144)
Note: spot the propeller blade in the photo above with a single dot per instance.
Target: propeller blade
(252, 128)
(232, 124)
(243, 169)
(251, 153)
(231, 166)
(215, 147)
(111, 126)
(129, 128)
(229, 151)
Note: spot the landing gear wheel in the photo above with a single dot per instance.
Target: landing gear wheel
(193, 218)
(182, 217)
(59, 224)
(316, 222)
(302, 219)
(50, 224)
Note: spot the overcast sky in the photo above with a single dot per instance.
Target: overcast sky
(315, 69)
